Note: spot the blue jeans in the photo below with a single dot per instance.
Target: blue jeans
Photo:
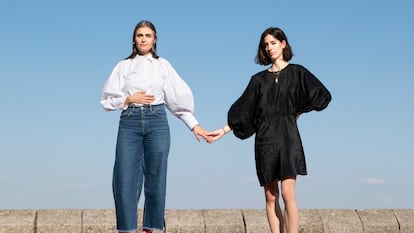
(142, 149)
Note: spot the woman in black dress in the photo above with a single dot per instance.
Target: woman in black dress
(269, 108)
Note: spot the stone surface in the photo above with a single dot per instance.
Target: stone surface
(379, 220)
(98, 221)
(405, 218)
(17, 221)
(184, 221)
(210, 221)
(256, 221)
(62, 221)
(310, 221)
(340, 221)
(223, 221)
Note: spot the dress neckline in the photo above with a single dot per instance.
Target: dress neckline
(276, 72)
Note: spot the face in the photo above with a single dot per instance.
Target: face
(274, 47)
(144, 40)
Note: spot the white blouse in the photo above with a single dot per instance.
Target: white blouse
(154, 76)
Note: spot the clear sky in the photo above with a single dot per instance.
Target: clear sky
(57, 143)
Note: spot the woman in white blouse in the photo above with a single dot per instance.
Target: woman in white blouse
(142, 86)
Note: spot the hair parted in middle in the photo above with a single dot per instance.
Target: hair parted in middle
(262, 58)
(135, 52)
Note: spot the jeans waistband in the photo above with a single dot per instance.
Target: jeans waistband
(144, 107)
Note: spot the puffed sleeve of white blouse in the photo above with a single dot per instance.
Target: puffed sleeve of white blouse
(113, 98)
(178, 96)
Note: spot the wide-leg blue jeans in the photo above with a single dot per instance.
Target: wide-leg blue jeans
(142, 149)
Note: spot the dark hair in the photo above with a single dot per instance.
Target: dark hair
(135, 52)
(262, 57)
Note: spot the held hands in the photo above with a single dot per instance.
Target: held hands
(215, 135)
(210, 137)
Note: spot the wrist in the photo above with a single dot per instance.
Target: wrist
(226, 129)
(126, 102)
(195, 127)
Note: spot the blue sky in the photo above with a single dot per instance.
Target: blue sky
(57, 143)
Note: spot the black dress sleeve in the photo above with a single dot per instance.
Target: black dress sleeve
(241, 114)
(315, 95)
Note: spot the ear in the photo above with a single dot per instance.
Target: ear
(283, 43)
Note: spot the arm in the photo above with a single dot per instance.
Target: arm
(112, 97)
(240, 116)
(315, 95)
(180, 101)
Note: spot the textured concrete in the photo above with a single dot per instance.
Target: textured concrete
(62, 221)
(184, 221)
(256, 221)
(17, 221)
(210, 221)
(340, 221)
(98, 221)
(374, 221)
(223, 221)
(310, 222)
(405, 218)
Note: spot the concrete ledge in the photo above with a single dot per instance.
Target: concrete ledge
(223, 221)
(379, 221)
(340, 221)
(210, 221)
(184, 221)
(255, 221)
(22, 221)
(98, 221)
(62, 221)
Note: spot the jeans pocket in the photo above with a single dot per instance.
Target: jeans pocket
(125, 114)
(160, 113)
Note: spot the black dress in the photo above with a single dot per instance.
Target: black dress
(268, 108)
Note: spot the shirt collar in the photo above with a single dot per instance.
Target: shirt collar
(147, 57)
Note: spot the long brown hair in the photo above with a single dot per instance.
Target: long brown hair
(135, 52)
(262, 58)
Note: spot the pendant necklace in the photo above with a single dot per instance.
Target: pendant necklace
(277, 73)
(277, 76)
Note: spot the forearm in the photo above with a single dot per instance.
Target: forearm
(113, 103)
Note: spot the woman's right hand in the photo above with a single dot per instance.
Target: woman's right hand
(140, 97)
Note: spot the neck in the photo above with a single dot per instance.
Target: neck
(278, 66)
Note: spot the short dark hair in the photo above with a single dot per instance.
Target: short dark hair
(143, 23)
(262, 57)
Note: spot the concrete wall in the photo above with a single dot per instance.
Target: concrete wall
(210, 220)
